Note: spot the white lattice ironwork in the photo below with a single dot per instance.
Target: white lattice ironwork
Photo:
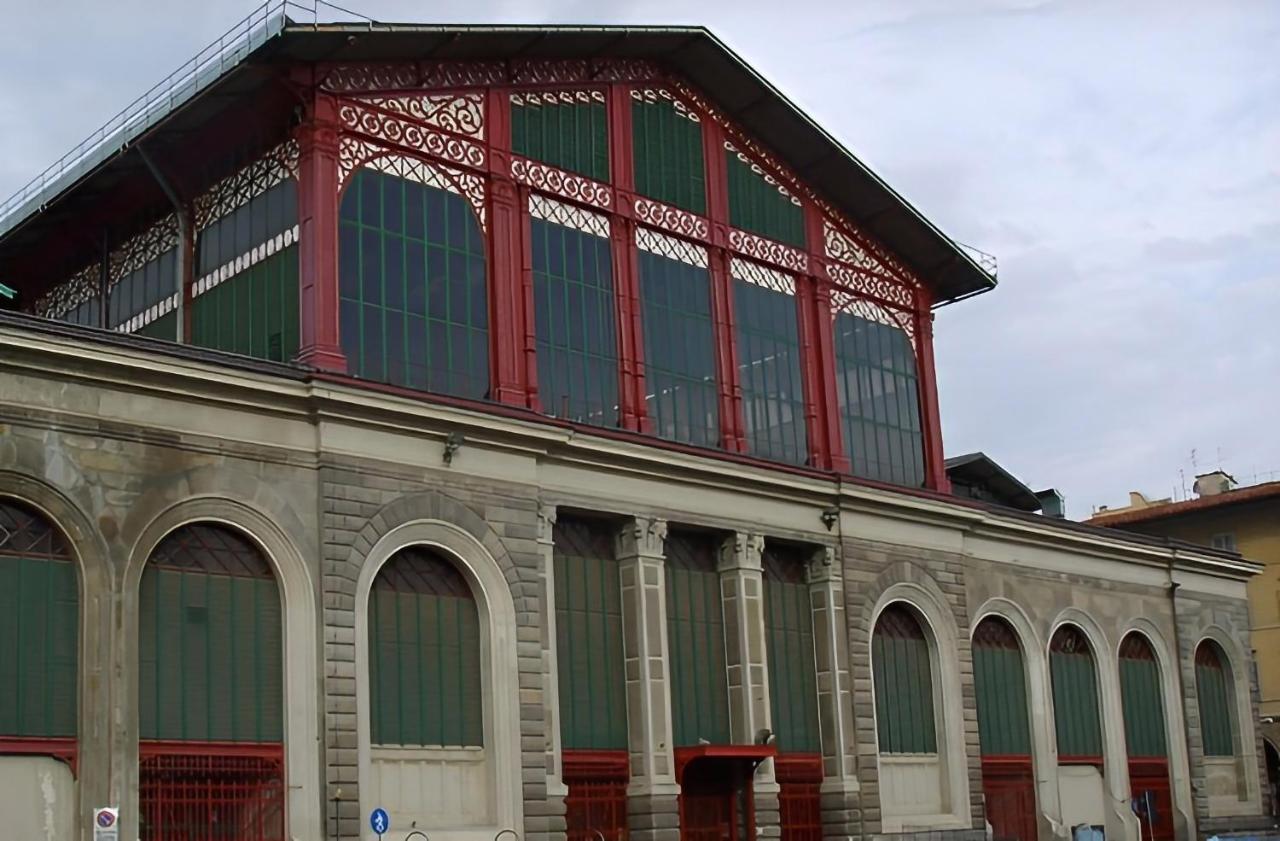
(66, 296)
(143, 248)
(671, 247)
(245, 261)
(238, 189)
(354, 153)
(570, 185)
(570, 97)
(769, 250)
(670, 218)
(152, 313)
(762, 173)
(568, 215)
(843, 300)
(398, 130)
(860, 270)
(762, 276)
(657, 95)
(457, 113)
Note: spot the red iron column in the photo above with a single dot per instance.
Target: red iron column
(930, 418)
(732, 433)
(622, 232)
(513, 371)
(317, 137)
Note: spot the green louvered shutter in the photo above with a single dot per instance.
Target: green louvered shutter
(593, 707)
(1004, 726)
(210, 644)
(1144, 724)
(424, 654)
(902, 669)
(1075, 695)
(39, 625)
(757, 203)
(1213, 689)
(667, 151)
(788, 617)
(695, 636)
(567, 129)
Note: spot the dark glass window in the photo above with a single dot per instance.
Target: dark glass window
(902, 671)
(414, 295)
(1075, 694)
(758, 204)
(1000, 683)
(695, 635)
(667, 150)
(567, 129)
(879, 399)
(769, 365)
(574, 309)
(788, 621)
(1213, 691)
(137, 291)
(679, 340)
(1141, 698)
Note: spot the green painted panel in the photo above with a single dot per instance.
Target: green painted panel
(413, 286)
(210, 652)
(569, 130)
(1144, 722)
(254, 313)
(878, 396)
(1001, 685)
(695, 636)
(165, 327)
(1216, 715)
(903, 675)
(793, 683)
(667, 150)
(39, 624)
(769, 369)
(1075, 703)
(593, 707)
(759, 206)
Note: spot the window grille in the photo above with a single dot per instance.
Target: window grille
(208, 793)
(1214, 691)
(1142, 698)
(1004, 727)
(800, 797)
(788, 617)
(567, 129)
(1075, 695)
(597, 797)
(695, 631)
(902, 669)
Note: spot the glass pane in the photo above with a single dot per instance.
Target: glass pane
(769, 368)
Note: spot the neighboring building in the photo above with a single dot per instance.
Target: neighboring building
(977, 476)
(535, 429)
(1244, 520)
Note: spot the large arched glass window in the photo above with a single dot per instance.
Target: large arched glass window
(1144, 724)
(999, 676)
(39, 624)
(1075, 696)
(902, 667)
(424, 654)
(414, 301)
(1214, 690)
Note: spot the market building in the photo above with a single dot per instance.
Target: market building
(535, 429)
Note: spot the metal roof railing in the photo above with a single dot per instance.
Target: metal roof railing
(254, 30)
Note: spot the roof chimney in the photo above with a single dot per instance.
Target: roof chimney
(1051, 503)
(1212, 484)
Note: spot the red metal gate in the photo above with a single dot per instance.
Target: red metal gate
(1152, 775)
(597, 799)
(211, 792)
(1009, 786)
(800, 796)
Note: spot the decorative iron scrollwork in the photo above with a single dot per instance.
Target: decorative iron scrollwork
(550, 179)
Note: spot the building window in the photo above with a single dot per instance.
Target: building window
(788, 619)
(878, 397)
(567, 129)
(39, 623)
(667, 151)
(999, 676)
(424, 654)
(757, 203)
(679, 340)
(1075, 696)
(144, 282)
(1225, 541)
(902, 669)
(1214, 691)
(576, 320)
(695, 631)
(769, 365)
(1142, 699)
(414, 307)
(593, 707)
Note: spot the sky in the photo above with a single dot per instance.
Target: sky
(1122, 162)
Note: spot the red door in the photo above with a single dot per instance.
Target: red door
(1152, 775)
(716, 802)
(1010, 790)
(596, 805)
(799, 796)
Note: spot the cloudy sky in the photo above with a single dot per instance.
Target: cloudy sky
(1121, 160)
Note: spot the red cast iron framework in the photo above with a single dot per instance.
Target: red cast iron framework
(210, 792)
(799, 778)
(455, 117)
(597, 798)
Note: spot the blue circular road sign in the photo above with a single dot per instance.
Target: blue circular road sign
(379, 821)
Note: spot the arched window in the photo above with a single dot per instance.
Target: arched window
(39, 627)
(1144, 724)
(902, 668)
(1214, 690)
(999, 676)
(413, 289)
(1075, 696)
(424, 654)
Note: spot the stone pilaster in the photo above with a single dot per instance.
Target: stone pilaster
(840, 805)
(652, 797)
(556, 789)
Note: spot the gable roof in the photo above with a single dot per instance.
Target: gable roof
(1239, 496)
(981, 470)
(234, 70)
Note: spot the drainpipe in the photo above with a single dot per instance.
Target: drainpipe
(1182, 684)
(185, 252)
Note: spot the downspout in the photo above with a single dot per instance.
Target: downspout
(1182, 684)
(185, 251)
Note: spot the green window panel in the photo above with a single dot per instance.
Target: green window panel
(567, 129)
(1075, 694)
(575, 321)
(695, 636)
(593, 706)
(210, 644)
(679, 348)
(235, 234)
(424, 654)
(902, 670)
(254, 313)
(1213, 690)
(165, 327)
(769, 367)
(142, 288)
(879, 400)
(1140, 695)
(758, 206)
(84, 314)
(667, 151)
(413, 291)
(788, 617)
(1004, 726)
(39, 627)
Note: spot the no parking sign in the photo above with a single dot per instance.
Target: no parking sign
(106, 824)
